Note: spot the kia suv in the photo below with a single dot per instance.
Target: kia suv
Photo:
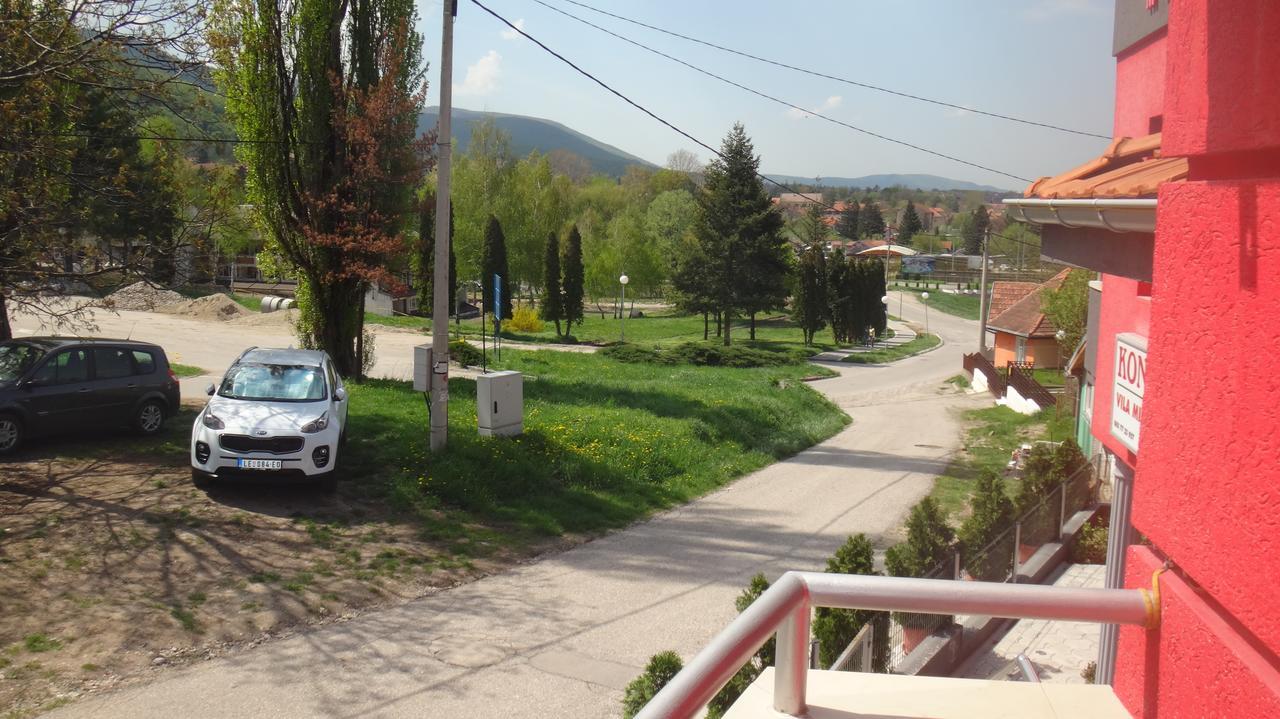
(55, 385)
(276, 414)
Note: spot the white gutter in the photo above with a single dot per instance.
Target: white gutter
(1117, 215)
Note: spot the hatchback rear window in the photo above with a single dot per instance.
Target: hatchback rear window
(144, 362)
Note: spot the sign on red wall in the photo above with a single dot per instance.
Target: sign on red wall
(1126, 394)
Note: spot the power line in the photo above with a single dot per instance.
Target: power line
(780, 101)
(827, 76)
(635, 104)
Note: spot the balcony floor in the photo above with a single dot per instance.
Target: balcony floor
(853, 695)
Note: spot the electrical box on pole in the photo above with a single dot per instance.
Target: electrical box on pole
(422, 368)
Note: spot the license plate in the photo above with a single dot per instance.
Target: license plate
(258, 463)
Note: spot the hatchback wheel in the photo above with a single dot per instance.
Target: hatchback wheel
(150, 418)
(10, 433)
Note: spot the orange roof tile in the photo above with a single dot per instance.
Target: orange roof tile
(1026, 317)
(1130, 167)
(1004, 294)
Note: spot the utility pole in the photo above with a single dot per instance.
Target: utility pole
(982, 297)
(440, 280)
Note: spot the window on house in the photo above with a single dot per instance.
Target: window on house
(1155, 124)
(1021, 351)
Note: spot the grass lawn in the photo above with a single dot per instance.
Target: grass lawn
(1048, 377)
(605, 443)
(653, 329)
(186, 370)
(892, 354)
(252, 303)
(966, 306)
(991, 435)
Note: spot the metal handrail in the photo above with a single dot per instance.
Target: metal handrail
(786, 607)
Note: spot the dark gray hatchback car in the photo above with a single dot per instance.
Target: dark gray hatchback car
(55, 385)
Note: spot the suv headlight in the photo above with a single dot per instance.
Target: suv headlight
(316, 425)
(212, 421)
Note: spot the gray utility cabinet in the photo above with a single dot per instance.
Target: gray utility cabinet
(500, 404)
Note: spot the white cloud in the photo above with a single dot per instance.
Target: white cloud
(482, 76)
(512, 34)
(829, 104)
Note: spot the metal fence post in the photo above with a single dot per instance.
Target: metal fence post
(1017, 548)
(791, 661)
(956, 573)
(866, 647)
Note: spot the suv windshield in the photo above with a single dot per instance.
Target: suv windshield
(274, 383)
(16, 359)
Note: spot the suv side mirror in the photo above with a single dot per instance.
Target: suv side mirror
(340, 394)
(209, 390)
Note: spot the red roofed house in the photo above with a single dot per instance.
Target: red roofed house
(1023, 333)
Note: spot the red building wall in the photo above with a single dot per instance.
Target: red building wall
(1124, 307)
(1140, 86)
(1207, 493)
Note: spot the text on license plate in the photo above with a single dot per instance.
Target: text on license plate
(258, 463)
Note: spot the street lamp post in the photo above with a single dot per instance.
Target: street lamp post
(925, 296)
(623, 321)
(885, 301)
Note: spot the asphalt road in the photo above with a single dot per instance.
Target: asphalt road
(562, 636)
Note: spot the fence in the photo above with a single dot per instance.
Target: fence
(995, 380)
(1021, 379)
(882, 646)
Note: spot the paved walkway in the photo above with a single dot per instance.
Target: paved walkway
(1059, 650)
(562, 636)
(902, 334)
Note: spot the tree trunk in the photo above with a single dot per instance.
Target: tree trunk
(6, 332)
(719, 323)
(728, 327)
(360, 337)
(558, 335)
(753, 327)
(706, 326)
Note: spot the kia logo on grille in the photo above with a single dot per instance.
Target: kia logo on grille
(261, 432)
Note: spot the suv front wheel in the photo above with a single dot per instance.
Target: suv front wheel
(10, 433)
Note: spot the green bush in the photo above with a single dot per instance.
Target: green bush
(835, 628)
(993, 514)
(928, 545)
(1090, 546)
(661, 669)
(700, 354)
(465, 353)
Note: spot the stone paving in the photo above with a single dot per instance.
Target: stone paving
(1059, 650)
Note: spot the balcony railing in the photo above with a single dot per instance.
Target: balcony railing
(787, 606)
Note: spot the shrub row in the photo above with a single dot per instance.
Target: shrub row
(702, 355)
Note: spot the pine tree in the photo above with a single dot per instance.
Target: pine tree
(493, 261)
(993, 514)
(740, 232)
(572, 286)
(909, 226)
(847, 227)
(809, 304)
(835, 628)
(552, 306)
(838, 300)
(871, 221)
(975, 229)
(424, 259)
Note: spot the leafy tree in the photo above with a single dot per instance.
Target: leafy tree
(910, 225)
(739, 229)
(835, 628)
(538, 205)
(482, 187)
(423, 261)
(809, 301)
(992, 515)
(975, 229)
(552, 305)
(493, 261)
(332, 160)
(573, 280)
(1068, 308)
(661, 669)
(871, 221)
(847, 226)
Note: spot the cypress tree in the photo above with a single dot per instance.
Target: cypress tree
(552, 309)
(910, 224)
(809, 305)
(572, 287)
(493, 261)
(871, 222)
(838, 297)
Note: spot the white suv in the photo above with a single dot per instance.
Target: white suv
(276, 414)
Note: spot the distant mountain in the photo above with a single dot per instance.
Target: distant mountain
(534, 133)
(911, 182)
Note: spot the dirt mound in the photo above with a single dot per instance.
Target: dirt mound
(144, 297)
(217, 307)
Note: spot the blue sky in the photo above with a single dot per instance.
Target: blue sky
(1046, 60)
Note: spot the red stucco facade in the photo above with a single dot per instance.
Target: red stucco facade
(1207, 488)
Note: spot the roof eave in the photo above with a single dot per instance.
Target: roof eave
(1117, 214)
